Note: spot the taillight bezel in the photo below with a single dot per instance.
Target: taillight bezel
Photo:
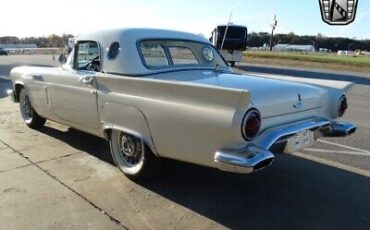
(342, 102)
(248, 115)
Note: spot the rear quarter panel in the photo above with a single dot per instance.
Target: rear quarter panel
(184, 121)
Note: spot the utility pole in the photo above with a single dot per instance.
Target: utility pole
(273, 25)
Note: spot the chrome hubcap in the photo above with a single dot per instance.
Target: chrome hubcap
(130, 149)
(27, 109)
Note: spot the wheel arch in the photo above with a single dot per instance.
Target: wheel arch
(127, 119)
(18, 86)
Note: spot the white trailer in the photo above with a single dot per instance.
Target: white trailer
(231, 41)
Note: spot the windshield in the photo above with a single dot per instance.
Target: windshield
(178, 53)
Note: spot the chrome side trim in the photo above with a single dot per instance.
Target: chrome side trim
(11, 94)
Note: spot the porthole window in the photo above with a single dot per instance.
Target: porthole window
(113, 50)
(208, 53)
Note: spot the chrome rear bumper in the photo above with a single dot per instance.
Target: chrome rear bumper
(257, 155)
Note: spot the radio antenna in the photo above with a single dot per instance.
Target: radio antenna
(227, 27)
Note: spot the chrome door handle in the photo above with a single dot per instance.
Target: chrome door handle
(87, 80)
(37, 78)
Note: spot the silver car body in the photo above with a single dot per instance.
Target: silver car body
(192, 115)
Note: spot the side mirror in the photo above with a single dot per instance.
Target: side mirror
(232, 64)
(62, 59)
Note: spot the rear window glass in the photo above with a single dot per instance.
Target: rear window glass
(182, 56)
(170, 53)
(154, 54)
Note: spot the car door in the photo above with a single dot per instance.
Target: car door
(74, 95)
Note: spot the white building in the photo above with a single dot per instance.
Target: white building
(293, 47)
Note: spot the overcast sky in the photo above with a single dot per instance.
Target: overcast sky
(44, 17)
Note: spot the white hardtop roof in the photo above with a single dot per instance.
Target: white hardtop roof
(143, 33)
(128, 61)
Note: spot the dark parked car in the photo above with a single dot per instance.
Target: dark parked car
(3, 52)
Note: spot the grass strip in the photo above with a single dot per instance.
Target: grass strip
(312, 57)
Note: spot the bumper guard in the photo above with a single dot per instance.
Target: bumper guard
(257, 155)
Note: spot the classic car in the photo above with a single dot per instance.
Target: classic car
(157, 93)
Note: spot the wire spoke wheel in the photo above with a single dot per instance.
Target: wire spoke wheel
(29, 115)
(26, 109)
(128, 153)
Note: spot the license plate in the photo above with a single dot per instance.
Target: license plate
(302, 139)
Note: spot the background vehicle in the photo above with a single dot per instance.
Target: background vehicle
(3, 52)
(231, 41)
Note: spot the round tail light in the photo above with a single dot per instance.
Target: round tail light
(342, 105)
(251, 124)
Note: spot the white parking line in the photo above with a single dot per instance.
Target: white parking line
(343, 146)
(337, 151)
(333, 164)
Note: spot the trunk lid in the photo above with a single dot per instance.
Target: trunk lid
(272, 97)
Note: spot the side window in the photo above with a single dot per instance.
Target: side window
(87, 56)
(182, 56)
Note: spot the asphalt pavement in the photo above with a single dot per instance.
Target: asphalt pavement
(356, 77)
(60, 178)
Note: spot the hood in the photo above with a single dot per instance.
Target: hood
(272, 97)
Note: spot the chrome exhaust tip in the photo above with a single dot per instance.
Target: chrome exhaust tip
(246, 160)
(338, 129)
(263, 164)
